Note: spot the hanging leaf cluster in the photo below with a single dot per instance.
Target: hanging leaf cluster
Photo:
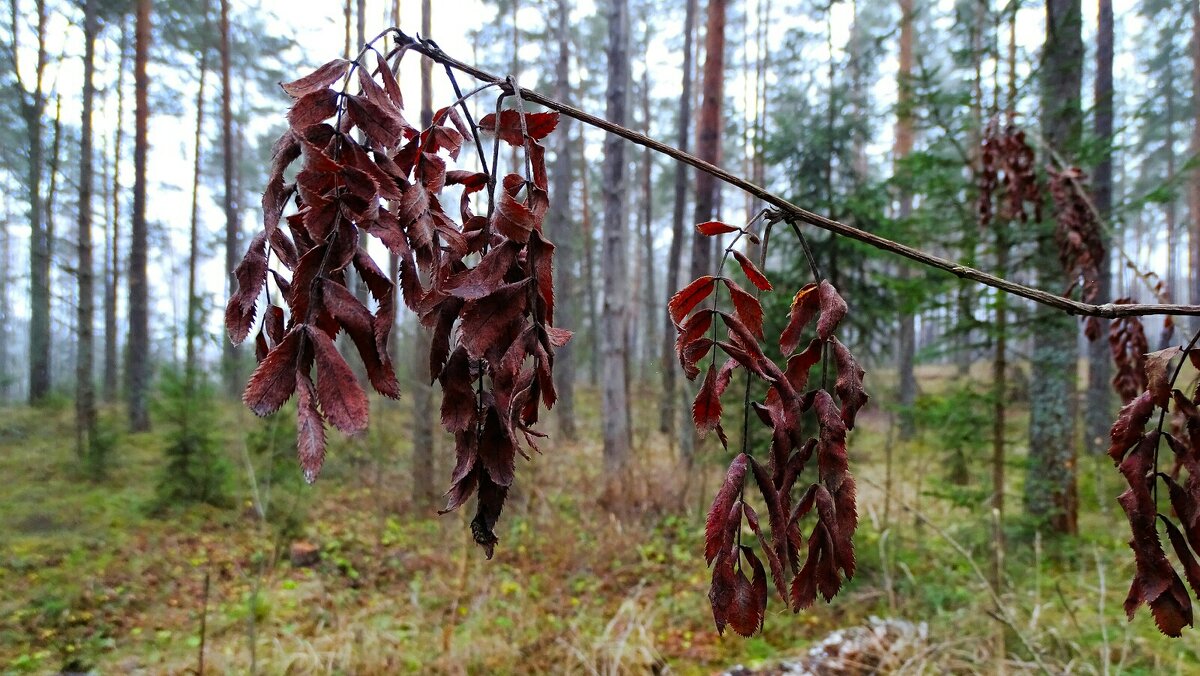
(1137, 435)
(1077, 235)
(1127, 343)
(1007, 177)
(482, 283)
(799, 568)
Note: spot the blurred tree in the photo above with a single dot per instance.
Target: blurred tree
(615, 390)
(139, 359)
(1050, 491)
(85, 405)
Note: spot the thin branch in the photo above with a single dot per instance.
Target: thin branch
(1067, 305)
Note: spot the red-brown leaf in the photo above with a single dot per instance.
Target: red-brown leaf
(318, 79)
(310, 429)
(756, 277)
(342, 398)
(458, 399)
(706, 410)
(804, 307)
(748, 607)
(1130, 423)
(485, 319)
(747, 307)
(717, 522)
(833, 310)
(312, 108)
(689, 297)
(538, 125)
(714, 228)
(849, 385)
(251, 275)
(382, 127)
(1158, 375)
(274, 379)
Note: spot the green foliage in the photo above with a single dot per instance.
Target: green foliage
(197, 470)
(955, 424)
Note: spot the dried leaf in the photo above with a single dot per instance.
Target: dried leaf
(689, 297)
(342, 398)
(833, 310)
(274, 380)
(317, 80)
(706, 410)
(756, 277)
(312, 108)
(805, 305)
(538, 126)
(717, 522)
(714, 228)
(747, 307)
(251, 275)
(310, 429)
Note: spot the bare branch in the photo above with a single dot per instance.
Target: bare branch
(791, 211)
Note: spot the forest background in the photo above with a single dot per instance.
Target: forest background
(151, 522)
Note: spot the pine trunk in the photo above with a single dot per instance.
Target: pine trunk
(1098, 416)
(85, 398)
(907, 343)
(138, 359)
(112, 277)
(615, 404)
(424, 491)
(192, 326)
(1050, 491)
(39, 238)
(229, 353)
(1193, 184)
(563, 232)
(708, 133)
(678, 233)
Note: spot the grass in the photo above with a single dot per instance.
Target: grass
(89, 580)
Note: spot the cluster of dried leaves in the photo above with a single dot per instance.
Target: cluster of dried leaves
(738, 601)
(482, 283)
(1077, 234)
(1007, 176)
(1135, 451)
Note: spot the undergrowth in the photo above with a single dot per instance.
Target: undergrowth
(89, 581)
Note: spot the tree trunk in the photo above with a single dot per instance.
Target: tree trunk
(229, 353)
(672, 282)
(590, 293)
(85, 400)
(192, 322)
(1098, 415)
(1050, 491)
(32, 105)
(562, 230)
(907, 343)
(1193, 185)
(50, 210)
(112, 277)
(708, 133)
(650, 292)
(615, 404)
(138, 359)
(424, 492)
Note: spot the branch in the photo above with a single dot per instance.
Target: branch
(791, 212)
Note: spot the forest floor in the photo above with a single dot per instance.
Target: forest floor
(89, 579)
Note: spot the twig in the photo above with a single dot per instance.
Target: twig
(203, 622)
(1067, 305)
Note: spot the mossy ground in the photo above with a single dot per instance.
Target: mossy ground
(90, 580)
